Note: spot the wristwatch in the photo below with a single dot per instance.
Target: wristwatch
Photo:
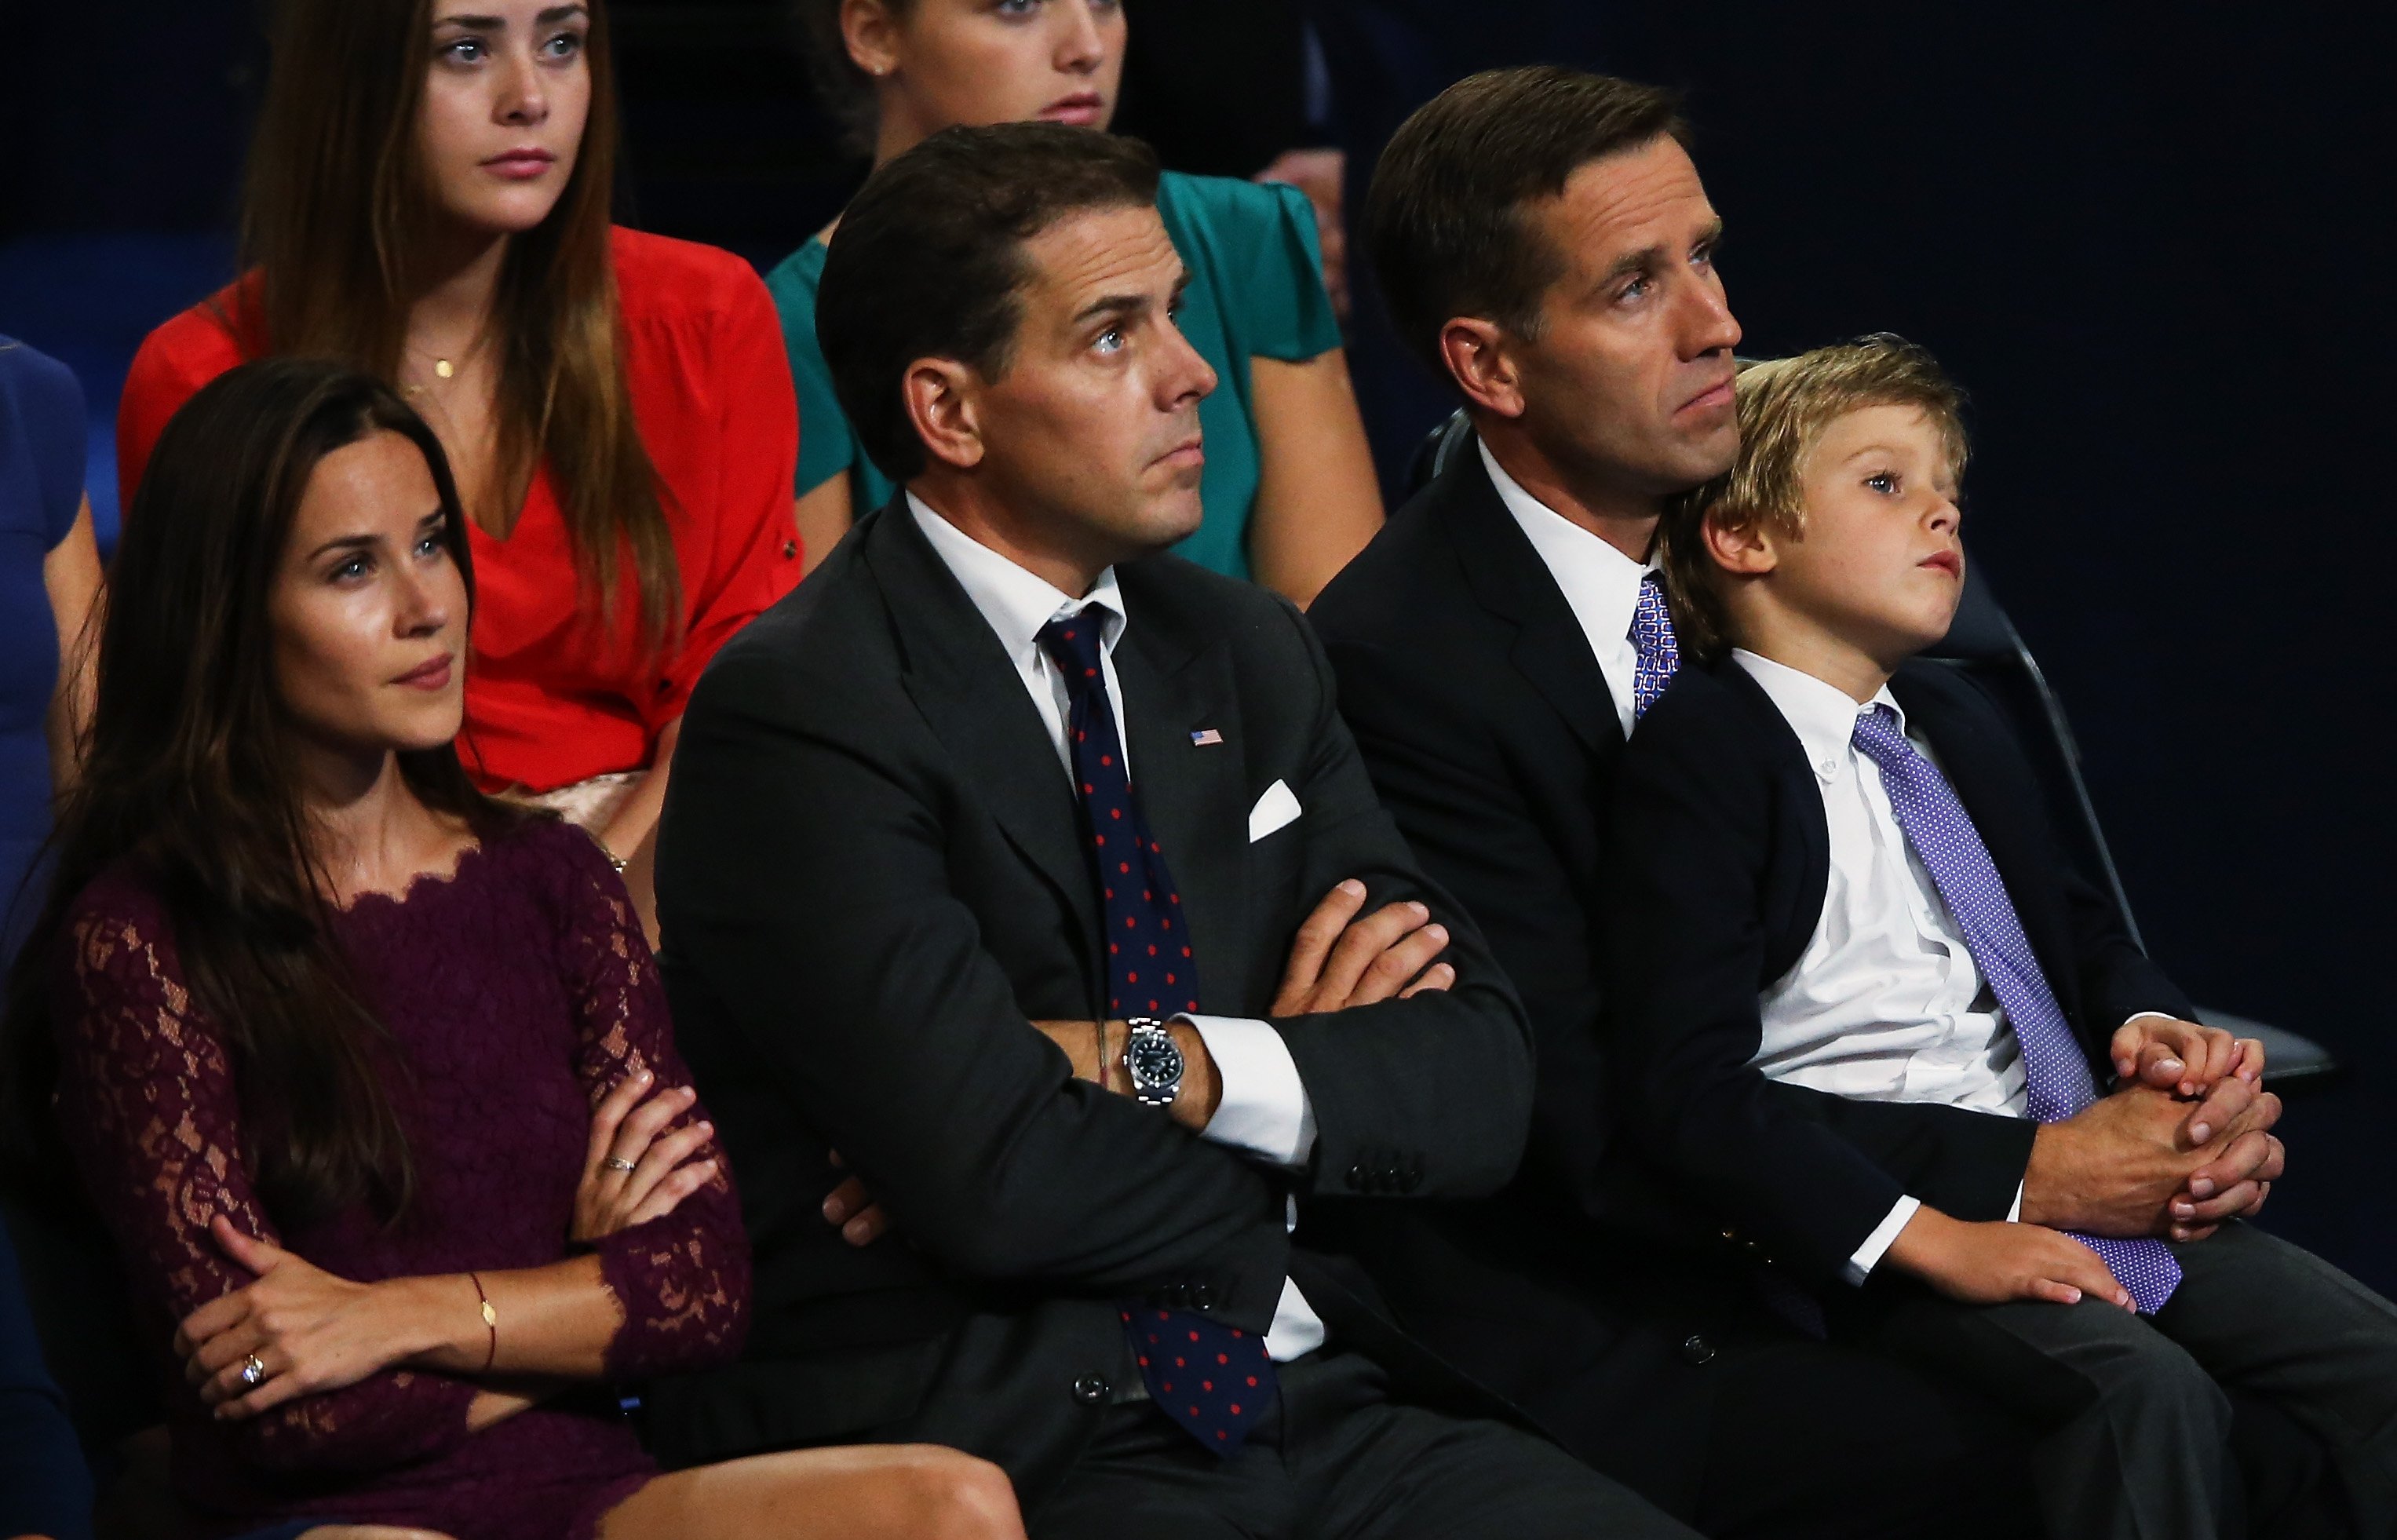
(1153, 1062)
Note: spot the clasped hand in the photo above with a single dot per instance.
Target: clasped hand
(312, 1331)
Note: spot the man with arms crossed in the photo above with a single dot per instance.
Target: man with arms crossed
(1544, 241)
(1031, 870)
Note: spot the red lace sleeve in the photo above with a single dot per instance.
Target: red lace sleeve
(148, 1103)
(682, 1281)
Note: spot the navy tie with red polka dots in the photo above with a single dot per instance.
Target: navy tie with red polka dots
(1215, 1381)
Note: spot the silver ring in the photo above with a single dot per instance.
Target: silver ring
(616, 1162)
(253, 1371)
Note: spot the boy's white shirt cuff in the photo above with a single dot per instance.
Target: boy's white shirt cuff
(1264, 1108)
(1877, 1244)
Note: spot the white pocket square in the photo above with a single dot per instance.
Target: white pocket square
(1277, 808)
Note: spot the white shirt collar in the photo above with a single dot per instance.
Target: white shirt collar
(1823, 715)
(1016, 602)
(1601, 582)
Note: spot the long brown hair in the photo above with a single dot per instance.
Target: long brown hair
(338, 198)
(187, 783)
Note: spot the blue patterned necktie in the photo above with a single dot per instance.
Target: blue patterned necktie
(1213, 1380)
(2059, 1081)
(1656, 653)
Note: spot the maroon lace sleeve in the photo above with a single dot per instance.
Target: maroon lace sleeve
(148, 1104)
(682, 1281)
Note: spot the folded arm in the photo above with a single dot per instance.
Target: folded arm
(148, 1101)
(810, 888)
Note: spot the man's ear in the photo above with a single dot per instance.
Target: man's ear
(941, 396)
(1481, 359)
(1745, 548)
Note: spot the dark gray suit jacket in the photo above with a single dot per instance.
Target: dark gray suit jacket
(871, 878)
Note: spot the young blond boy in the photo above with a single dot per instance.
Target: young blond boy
(1832, 869)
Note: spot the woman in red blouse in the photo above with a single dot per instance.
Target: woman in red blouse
(429, 202)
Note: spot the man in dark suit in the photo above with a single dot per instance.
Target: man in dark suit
(1031, 870)
(1831, 870)
(1545, 243)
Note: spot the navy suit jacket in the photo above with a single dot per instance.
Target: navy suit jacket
(1722, 862)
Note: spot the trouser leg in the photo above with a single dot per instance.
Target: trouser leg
(1370, 1470)
(2137, 1431)
(2277, 1322)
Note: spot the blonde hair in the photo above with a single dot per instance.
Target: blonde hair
(1784, 405)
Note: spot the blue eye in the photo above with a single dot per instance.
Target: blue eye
(352, 568)
(464, 50)
(1016, 8)
(565, 44)
(1884, 482)
(1111, 340)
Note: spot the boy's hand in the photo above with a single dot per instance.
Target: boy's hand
(1997, 1263)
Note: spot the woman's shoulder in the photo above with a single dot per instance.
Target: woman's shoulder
(799, 275)
(119, 915)
(1225, 199)
(186, 351)
(662, 279)
(31, 378)
(547, 855)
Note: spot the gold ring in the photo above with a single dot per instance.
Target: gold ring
(253, 1371)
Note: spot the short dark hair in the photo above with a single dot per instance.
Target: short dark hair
(1445, 218)
(928, 260)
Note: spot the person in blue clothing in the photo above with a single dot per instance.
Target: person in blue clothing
(49, 577)
(1289, 489)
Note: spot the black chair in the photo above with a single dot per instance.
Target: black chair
(1984, 644)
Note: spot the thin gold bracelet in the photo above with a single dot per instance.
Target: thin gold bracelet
(490, 1322)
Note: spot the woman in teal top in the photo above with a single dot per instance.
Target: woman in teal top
(1289, 487)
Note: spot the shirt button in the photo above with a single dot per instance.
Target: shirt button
(1357, 1177)
(1090, 1390)
(1697, 1349)
(790, 549)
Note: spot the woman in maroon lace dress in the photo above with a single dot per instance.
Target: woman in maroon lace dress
(370, 1076)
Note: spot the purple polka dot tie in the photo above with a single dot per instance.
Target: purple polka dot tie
(2059, 1081)
(1213, 1380)
(1655, 653)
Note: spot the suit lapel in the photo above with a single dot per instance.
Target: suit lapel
(960, 678)
(1194, 796)
(1511, 582)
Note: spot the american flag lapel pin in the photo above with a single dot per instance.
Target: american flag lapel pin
(1205, 736)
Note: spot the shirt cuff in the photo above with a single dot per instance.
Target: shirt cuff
(2013, 1216)
(2143, 1015)
(1264, 1109)
(1877, 1244)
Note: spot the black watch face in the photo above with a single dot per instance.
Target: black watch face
(1153, 1060)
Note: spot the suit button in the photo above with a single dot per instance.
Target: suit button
(1357, 1177)
(1697, 1349)
(1202, 1297)
(1412, 1178)
(1090, 1390)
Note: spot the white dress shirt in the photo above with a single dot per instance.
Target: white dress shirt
(1264, 1108)
(1886, 1003)
(1599, 582)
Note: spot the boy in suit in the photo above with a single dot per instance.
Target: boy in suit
(1831, 870)
(1030, 868)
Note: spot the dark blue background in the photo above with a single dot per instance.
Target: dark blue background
(2153, 243)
